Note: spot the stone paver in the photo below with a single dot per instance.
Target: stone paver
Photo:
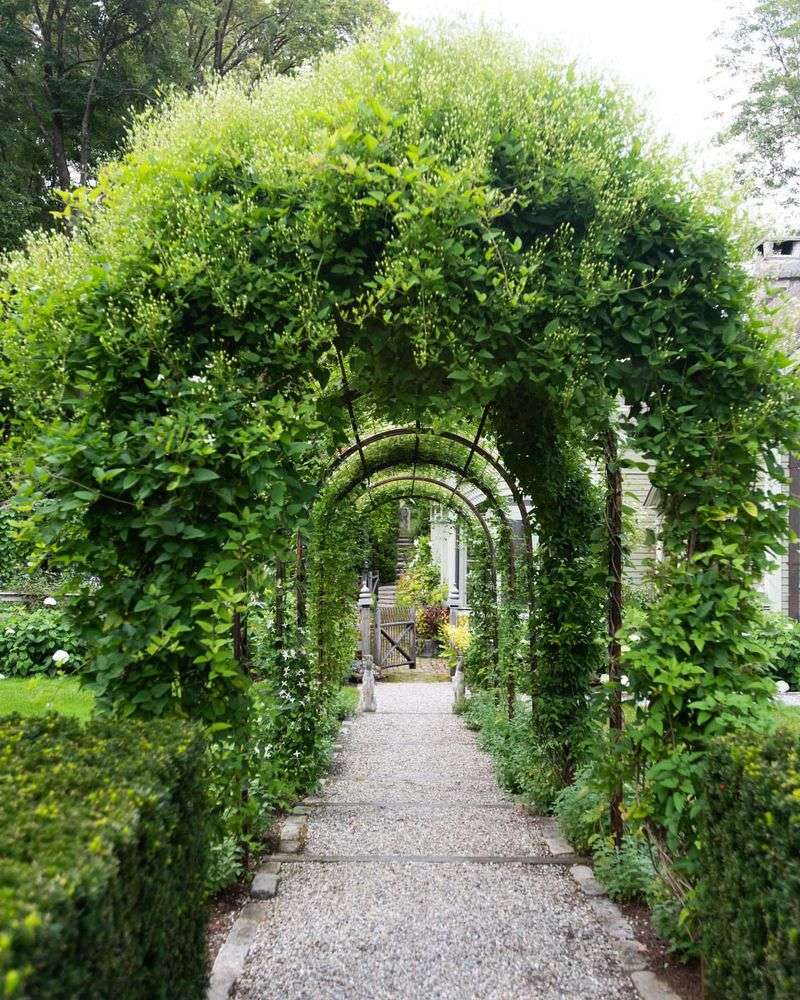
(409, 781)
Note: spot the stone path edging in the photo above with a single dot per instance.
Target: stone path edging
(231, 957)
(632, 953)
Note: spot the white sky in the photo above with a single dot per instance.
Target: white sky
(663, 51)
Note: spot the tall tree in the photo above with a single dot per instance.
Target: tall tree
(278, 34)
(760, 64)
(71, 71)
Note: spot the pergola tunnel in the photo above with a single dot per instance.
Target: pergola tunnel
(438, 268)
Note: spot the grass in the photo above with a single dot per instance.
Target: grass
(39, 695)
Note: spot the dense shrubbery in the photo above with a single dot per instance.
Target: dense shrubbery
(781, 636)
(525, 766)
(749, 897)
(30, 637)
(104, 833)
(278, 756)
(383, 532)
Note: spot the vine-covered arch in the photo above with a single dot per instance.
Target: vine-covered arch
(462, 227)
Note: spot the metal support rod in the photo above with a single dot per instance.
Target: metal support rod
(614, 609)
(280, 610)
(300, 582)
(794, 547)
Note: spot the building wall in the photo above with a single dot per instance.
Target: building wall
(778, 261)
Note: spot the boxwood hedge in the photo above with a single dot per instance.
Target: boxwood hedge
(750, 886)
(102, 854)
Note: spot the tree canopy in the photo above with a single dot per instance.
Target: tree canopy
(760, 63)
(71, 72)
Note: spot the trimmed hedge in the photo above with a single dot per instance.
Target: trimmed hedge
(749, 893)
(103, 832)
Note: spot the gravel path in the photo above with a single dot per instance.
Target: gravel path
(410, 780)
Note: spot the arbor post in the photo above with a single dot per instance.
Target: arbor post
(365, 615)
(453, 601)
(614, 611)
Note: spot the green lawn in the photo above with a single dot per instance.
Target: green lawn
(38, 695)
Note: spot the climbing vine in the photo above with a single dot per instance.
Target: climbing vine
(445, 226)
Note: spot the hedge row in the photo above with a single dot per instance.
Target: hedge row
(103, 830)
(750, 885)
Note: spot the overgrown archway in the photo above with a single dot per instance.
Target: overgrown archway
(430, 227)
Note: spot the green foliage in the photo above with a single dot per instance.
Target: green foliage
(759, 63)
(71, 73)
(420, 585)
(104, 830)
(781, 637)
(582, 809)
(384, 530)
(445, 219)
(12, 554)
(480, 661)
(269, 761)
(625, 872)
(30, 637)
(749, 894)
(345, 704)
(525, 765)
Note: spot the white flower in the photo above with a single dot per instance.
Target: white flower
(60, 656)
(624, 681)
(643, 703)
(782, 687)
(197, 378)
(2, 677)
(160, 377)
(604, 678)
(635, 637)
(50, 602)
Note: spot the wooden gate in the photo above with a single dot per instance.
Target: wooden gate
(396, 629)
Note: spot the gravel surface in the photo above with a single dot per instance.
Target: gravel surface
(411, 780)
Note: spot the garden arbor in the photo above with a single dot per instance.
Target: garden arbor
(427, 229)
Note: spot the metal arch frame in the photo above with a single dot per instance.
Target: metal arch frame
(439, 463)
(454, 493)
(458, 439)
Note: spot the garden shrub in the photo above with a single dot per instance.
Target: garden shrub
(749, 891)
(626, 872)
(30, 637)
(277, 757)
(104, 831)
(420, 585)
(582, 809)
(430, 620)
(383, 532)
(781, 636)
(525, 765)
